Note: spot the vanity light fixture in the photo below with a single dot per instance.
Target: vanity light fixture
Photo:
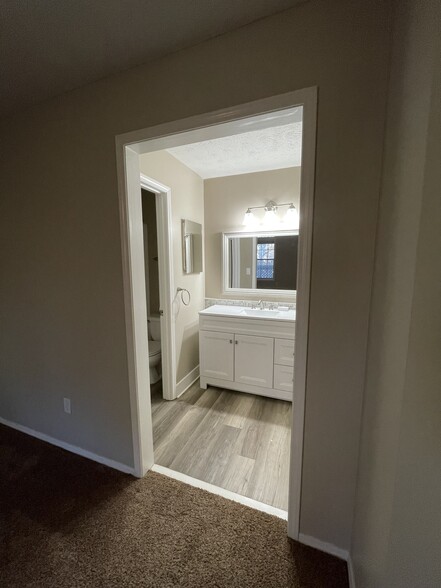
(270, 218)
(291, 217)
(250, 218)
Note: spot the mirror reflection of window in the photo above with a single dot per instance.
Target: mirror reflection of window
(265, 260)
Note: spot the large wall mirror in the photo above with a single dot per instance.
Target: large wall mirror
(264, 262)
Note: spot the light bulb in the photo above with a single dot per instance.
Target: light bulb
(292, 217)
(270, 217)
(249, 219)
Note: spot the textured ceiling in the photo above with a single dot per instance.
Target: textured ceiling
(265, 149)
(51, 46)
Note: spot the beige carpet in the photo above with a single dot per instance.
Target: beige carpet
(68, 522)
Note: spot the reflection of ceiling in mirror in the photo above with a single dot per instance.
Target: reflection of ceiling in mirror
(265, 149)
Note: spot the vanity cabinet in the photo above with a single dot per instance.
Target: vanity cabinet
(247, 354)
(283, 377)
(239, 358)
(284, 364)
(284, 352)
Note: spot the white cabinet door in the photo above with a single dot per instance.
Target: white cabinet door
(284, 378)
(253, 359)
(284, 352)
(216, 355)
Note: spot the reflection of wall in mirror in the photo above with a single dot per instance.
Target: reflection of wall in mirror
(246, 263)
(188, 253)
(191, 247)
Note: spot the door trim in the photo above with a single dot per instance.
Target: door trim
(228, 121)
(304, 260)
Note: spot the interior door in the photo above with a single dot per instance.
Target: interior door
(254, 360)
(217, 355)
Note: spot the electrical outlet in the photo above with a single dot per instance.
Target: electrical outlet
(66, 402)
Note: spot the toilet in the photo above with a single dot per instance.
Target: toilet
(154, 327)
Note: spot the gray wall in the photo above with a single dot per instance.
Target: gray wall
(62, 308)
(396, 540)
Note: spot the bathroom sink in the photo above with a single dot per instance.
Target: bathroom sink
(222, 310)
(262, 312)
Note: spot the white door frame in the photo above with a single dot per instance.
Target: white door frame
(166, 283)
(224, 122)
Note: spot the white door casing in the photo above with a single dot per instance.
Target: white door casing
(132, 242)
(262, 113)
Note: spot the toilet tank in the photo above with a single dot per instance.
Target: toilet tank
(155, 328)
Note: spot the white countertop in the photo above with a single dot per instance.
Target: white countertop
(247, 312)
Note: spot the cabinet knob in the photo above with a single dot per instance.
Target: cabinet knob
(231, 340)
(237, 342)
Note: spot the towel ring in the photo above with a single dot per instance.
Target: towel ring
(182, 291)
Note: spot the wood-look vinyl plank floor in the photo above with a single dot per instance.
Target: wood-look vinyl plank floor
(234, 440)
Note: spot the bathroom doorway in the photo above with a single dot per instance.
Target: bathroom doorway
(260, 114)
(159, 284)
(151, 270)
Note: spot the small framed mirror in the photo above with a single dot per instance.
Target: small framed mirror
(260, 262)
(191, 247)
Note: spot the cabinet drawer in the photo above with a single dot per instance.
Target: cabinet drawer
(283, 378)
(284, 352)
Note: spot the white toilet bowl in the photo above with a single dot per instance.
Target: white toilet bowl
(154, 361)
(154, 349)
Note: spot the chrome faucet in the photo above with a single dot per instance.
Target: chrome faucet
(260, 304)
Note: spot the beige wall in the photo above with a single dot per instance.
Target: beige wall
(187, 194)
(226, 200)
(396, 540)
(63, 329)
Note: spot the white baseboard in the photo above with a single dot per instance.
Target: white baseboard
(68, 447)
(323, 546)
(272, 510)
(351, 573)
(184, 384)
